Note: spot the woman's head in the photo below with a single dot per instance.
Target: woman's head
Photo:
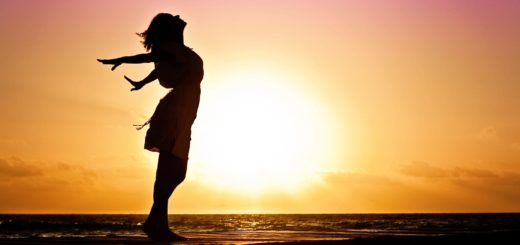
(163, 28)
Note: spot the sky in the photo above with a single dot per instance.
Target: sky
(332, 106)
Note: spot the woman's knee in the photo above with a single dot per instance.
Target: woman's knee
(179, 173)
(179, 178)
(173, 169)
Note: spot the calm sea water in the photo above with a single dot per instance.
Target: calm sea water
(253, 226)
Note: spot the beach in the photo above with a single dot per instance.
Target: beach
(267, 229)
(489, 238)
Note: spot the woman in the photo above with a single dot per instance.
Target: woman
(178, 67)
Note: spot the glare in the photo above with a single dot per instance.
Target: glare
(256, 133)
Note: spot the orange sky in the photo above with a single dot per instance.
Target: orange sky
(307, 107)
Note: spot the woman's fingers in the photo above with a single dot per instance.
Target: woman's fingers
(136, 85)
(110, 62)
(106, 62)
(115, 66)
(135, 88)
(129, 80)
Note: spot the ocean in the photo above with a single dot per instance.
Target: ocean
(258, 227)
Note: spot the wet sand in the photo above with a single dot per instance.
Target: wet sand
(481, 238)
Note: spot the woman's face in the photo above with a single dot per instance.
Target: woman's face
(179, 22)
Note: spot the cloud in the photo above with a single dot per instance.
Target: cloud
(483, 177)
(354, 178)
(49, 186)
(15, 167)
(423, 169)
(473, 173)
(509, 179)
(66, 187)
(13, 142)
(87, 175)
(488, 134)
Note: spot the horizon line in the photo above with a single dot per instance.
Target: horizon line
(252, 213)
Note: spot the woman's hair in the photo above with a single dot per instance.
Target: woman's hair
(163, 28)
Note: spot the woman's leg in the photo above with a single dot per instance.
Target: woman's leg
(171, 171)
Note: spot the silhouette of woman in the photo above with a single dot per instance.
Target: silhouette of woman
(178, 67)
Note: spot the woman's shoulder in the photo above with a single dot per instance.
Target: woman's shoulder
(171, 51)
(170, 48)
(174, 46)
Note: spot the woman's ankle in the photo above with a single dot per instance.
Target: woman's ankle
(156, 224)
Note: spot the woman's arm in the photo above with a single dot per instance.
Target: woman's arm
(135, 59)
(138, 58)
(148, 79)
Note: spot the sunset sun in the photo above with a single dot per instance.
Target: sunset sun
(263, 134)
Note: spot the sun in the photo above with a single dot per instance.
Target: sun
(257, 133)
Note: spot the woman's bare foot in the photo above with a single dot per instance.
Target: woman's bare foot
(158, 233)
(151, 231)
(172, 236)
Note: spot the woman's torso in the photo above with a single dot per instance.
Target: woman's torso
(179, 67)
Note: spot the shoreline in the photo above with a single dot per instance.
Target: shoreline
(501, 237)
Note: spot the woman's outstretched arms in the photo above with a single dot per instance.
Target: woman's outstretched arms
(135, 59)
(148, 79)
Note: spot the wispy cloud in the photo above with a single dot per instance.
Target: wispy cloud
(488, 134)
(423, 169)
(15, 167)
(355, 178)
(460, 174)
(12, 142)
(473, 173)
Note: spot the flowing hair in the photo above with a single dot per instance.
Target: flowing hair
(163, 28)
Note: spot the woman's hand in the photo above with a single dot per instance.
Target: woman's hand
(114, 62)
(137, 85)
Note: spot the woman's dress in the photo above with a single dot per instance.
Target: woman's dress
(170, 124)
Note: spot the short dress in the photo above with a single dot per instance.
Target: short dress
(170, 124)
